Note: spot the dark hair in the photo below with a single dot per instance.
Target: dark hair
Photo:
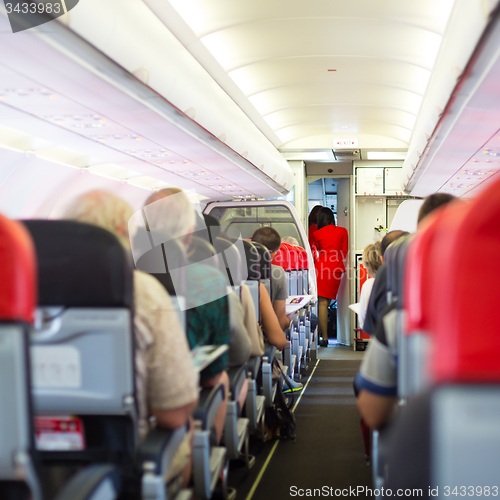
(313, 216)
(325, 218)
(268, 237)
(432, 202)
(391, 237)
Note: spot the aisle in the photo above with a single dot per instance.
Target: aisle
(328, 450)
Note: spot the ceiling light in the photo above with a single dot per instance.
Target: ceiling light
(308, 156)
(475, 172)
(386, 155)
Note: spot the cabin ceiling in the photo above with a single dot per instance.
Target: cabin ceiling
(320, 70)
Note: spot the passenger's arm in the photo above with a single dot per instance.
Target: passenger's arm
(375, 409)
(279, 307)
(270, 322)
(175, 418)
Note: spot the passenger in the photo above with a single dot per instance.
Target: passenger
(290, 240)
(165, 378)
(312, 223)
(378, 296)
(332, 244)
(432, 202)
(270, 238)
(372, 260)
(170, 213)
(377, 378)
(249, 317)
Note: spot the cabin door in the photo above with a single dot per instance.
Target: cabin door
(344, 293)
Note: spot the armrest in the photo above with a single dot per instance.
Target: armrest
(96, 481)
(237, 377)
(254, 366)
(269, 352)
(208, 406)
(159, 448)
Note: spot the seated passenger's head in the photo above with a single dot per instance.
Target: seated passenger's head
(432, 202)
(389, 238)
(103, 209)
(268, 237)
(169, 212)
(290, 240)
(372, 258)
(325, 218)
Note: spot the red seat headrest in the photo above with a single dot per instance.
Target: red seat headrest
(282, 257)
(466, 333)
(294, 254)
(418, 277)
(18, 287)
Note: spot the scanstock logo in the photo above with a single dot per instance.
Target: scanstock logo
(165, 244)
(26, 14)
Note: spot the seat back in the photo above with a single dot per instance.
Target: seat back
(252, 257)
(235, 269)
(17, 304)
(265, 266)
(304, 266)
(293, 268)
(418, 305)
(463, 404)
(282, 259)
(83, 346)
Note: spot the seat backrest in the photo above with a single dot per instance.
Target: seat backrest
(166, 262)
(418, 278)
(234, 265)
(467, 242)
(83, 346)
(252, 260)
(265, 266)
(465, 354)
(252, 257)
(17, 305)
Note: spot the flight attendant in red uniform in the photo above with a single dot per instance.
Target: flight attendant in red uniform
(332, 245)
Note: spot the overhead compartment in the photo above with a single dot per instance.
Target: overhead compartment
(168, 68)
(465, 27)
(66, 103)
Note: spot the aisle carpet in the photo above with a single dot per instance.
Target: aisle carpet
(328, 450)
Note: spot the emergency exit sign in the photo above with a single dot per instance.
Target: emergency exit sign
(345, 143)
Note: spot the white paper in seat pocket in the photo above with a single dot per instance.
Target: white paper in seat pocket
(56, 367)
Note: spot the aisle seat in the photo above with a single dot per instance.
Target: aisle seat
(18, 294)
(420, 301)
(85, 327)
(19, 465)
(455, 421)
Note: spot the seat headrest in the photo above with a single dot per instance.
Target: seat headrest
(264, 260)
(252, 259)
(166, 262)
(465, 333)
(236, 267)
(282, 257)
(81, 265)
(18, 287)
(418, 278)
(391, 258)
(200, 249)
(303, 258)
(293, 256)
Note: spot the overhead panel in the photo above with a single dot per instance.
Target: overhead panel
(317, 69)
(65, 102)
